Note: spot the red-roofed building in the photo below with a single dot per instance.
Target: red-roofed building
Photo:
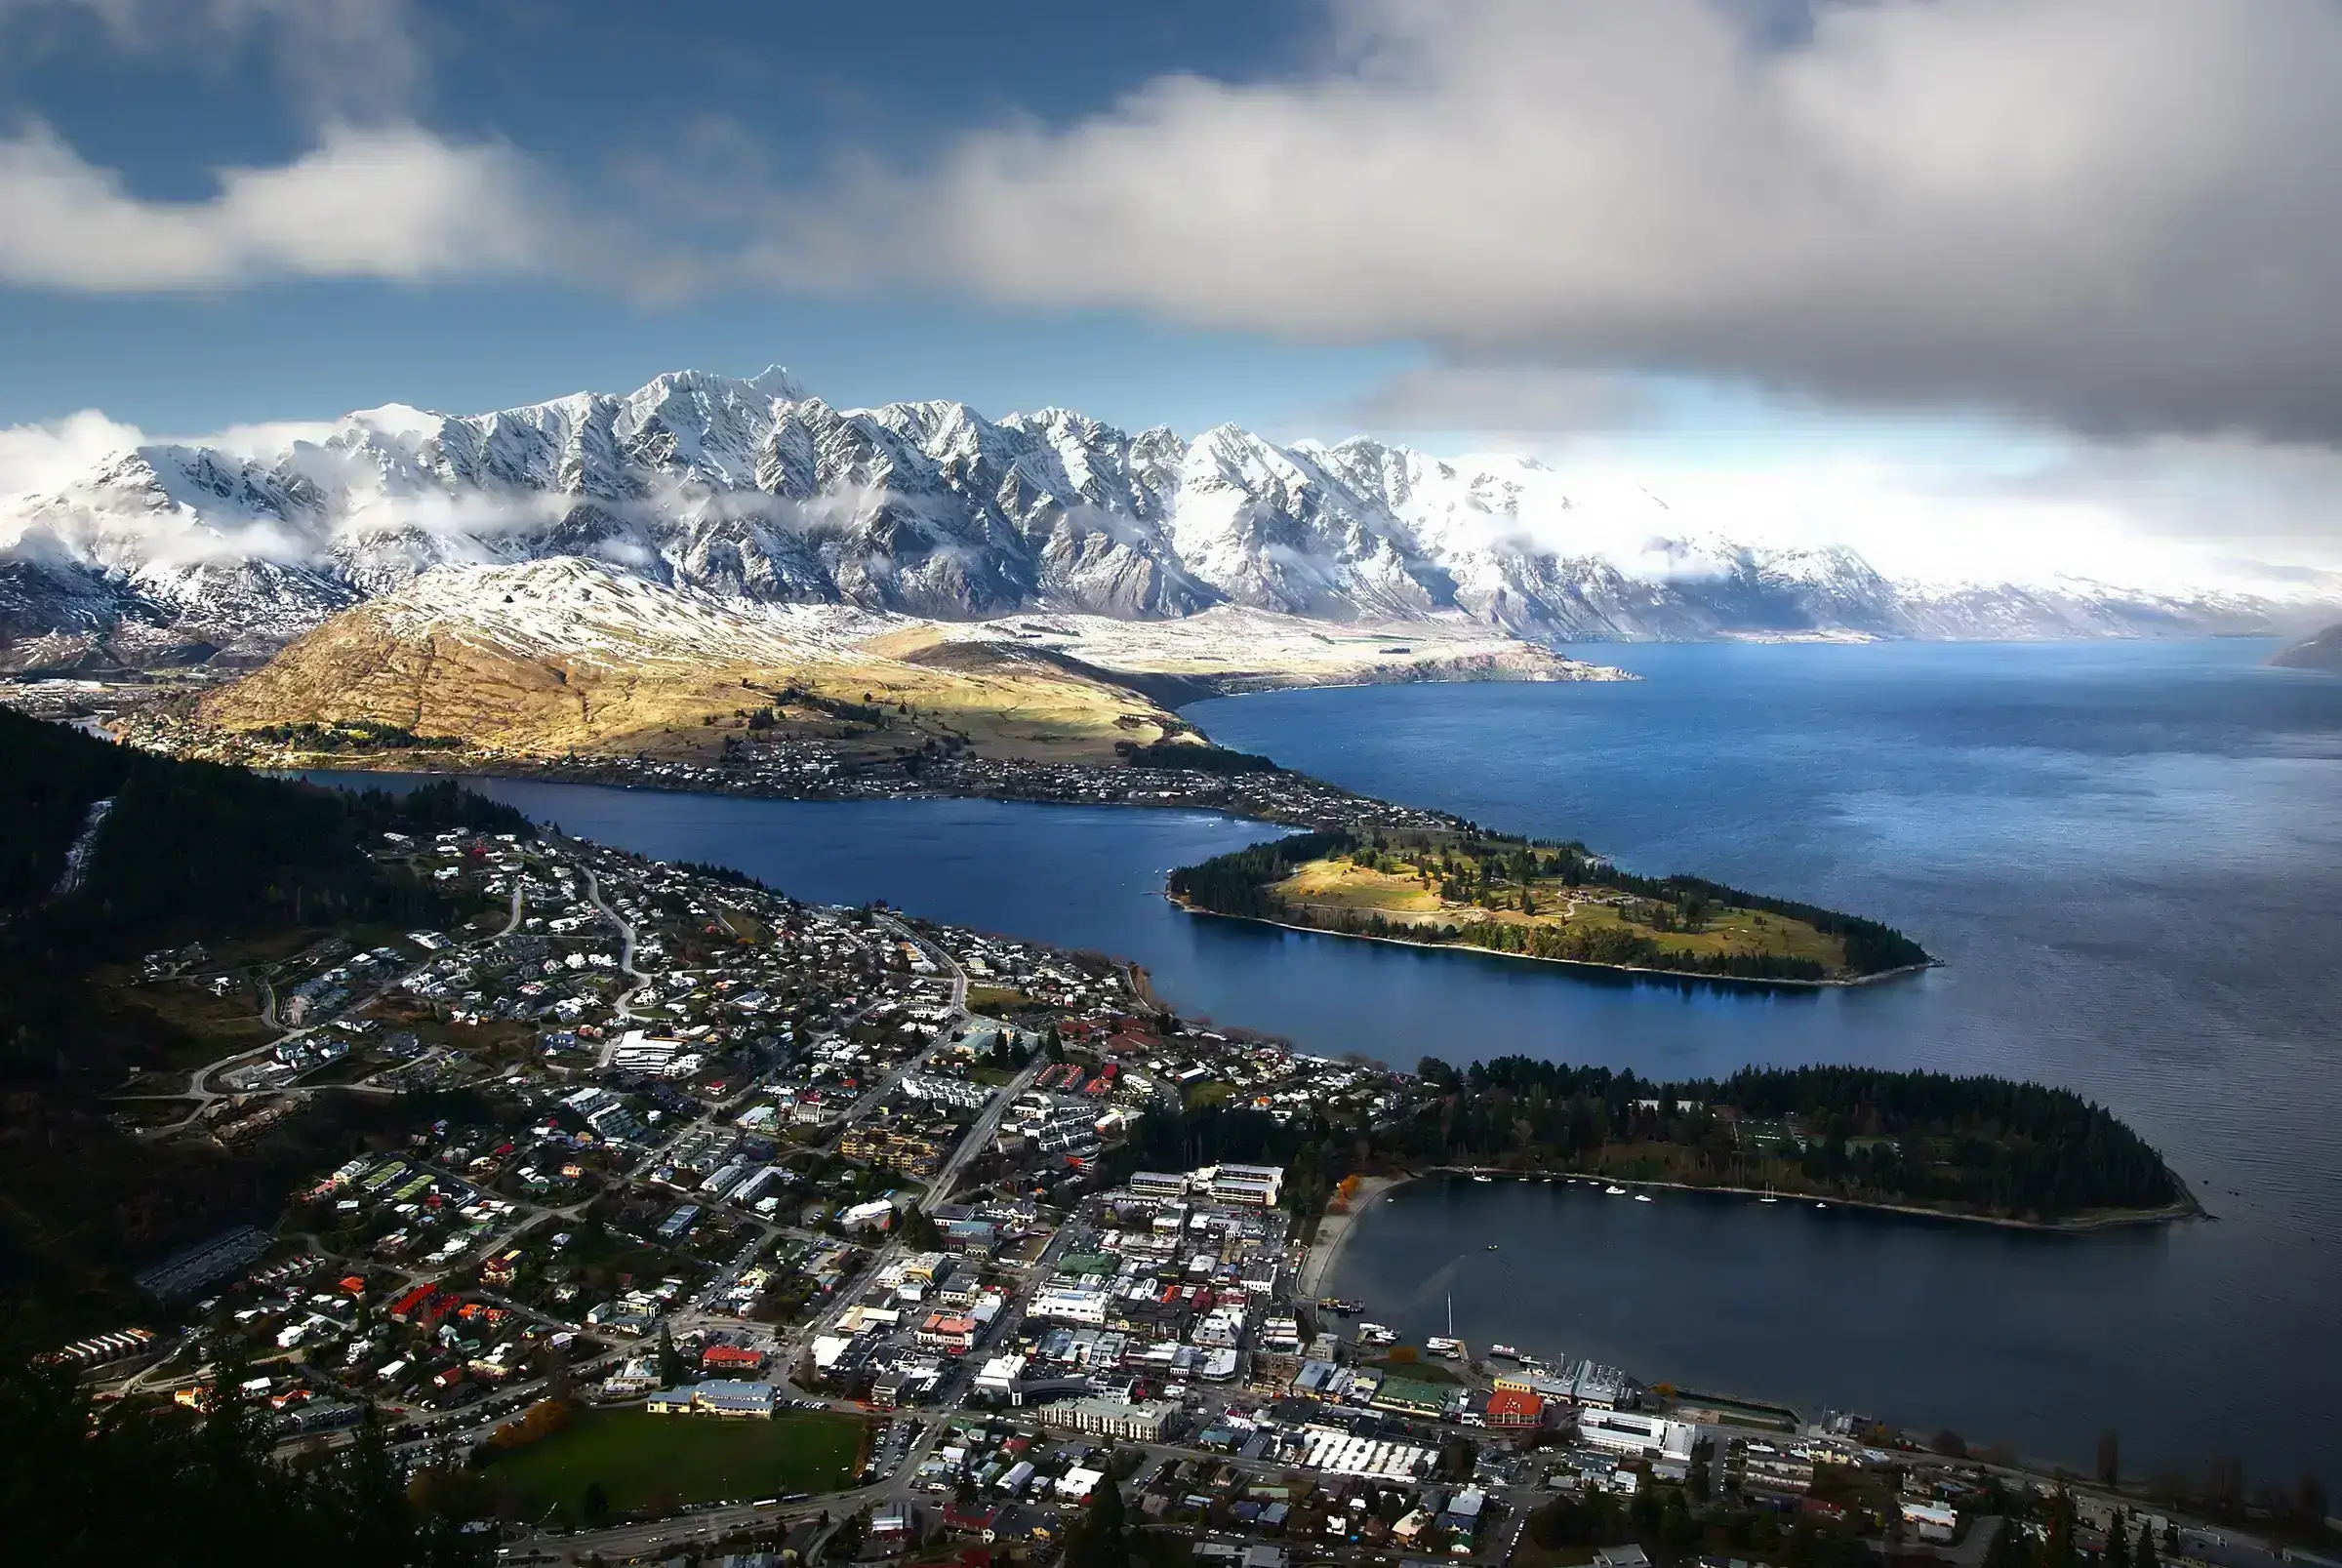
(950, 1332)
(1509, 1407)
(730, 1358)
(974, 1521)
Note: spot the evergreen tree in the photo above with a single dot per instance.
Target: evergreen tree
(2007, 1548)
(1099, 1541)
(919, 1229)
(2058, 1551)
(670, 1360)
(2118, 1542)
(2146, 1556)
(140, 1482)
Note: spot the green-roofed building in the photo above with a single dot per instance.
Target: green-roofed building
(1409, 1396)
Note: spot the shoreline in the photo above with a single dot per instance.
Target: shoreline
(1324, 1250)
(2188, 1207)
(1750, 982)
(1213, 797)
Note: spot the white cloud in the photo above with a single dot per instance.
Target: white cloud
(2116, 213)
(391, 202)
(56, 452)
(2172, 515)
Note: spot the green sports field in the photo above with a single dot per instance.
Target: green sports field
(644, 1461)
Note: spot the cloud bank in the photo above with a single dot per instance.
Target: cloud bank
(2116, 215)
(391, 202)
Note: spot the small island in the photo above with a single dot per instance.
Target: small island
(1469, 889)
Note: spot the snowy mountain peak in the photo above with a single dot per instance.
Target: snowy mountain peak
(775, 381)
(754, 490)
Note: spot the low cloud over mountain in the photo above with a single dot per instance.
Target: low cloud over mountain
(756, 490)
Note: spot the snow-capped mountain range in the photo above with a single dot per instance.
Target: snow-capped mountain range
(754, 490)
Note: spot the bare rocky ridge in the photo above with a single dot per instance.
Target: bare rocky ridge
(756, 490)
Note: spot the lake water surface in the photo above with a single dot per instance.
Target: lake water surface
(2130, 858)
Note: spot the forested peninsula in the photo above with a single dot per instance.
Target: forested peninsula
(1559, 901)
(1978, 1147)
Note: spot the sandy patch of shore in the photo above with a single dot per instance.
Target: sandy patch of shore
(1334, 1231)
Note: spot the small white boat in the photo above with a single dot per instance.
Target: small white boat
(1643, 1197)
(1821, 1205)
(1479, 1177)
(1615, 1191)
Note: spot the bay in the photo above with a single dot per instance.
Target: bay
(2130, 859)
(2129, 856)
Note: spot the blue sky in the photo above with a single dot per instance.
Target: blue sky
(590, 86)
(1940, 277)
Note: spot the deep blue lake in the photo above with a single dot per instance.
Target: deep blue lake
(2130, 857)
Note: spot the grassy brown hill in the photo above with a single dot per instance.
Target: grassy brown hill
(568, 656)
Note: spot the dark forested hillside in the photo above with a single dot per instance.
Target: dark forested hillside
(189, 852)
(136, 1484)
(48, 778)
(192, 843)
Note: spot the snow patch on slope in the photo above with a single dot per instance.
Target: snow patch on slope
(755, 493)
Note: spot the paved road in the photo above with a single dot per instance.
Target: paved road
(625, 962)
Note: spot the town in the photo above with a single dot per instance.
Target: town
(151, 713)
(820, 1231)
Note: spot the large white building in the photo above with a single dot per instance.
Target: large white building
(1623, 1431)
(1111, 1418)
(1258, 1186)
(1070, 1305)
(1000, 1376)
(1158, 1184)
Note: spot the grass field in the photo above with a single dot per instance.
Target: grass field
(1339, 886)
(1344, 884)
(657, 1461)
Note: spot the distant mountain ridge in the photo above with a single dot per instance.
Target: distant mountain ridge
(2321, 652)
(752, 489)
